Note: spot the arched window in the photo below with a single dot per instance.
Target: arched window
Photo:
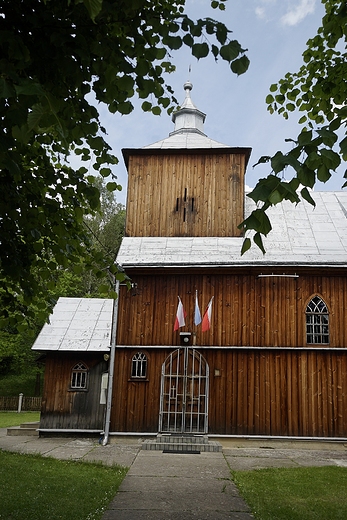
(79, 376)
(317, 321)
(139, 365)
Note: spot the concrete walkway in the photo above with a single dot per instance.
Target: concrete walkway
(169, 486)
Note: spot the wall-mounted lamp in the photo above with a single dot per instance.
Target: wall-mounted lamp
(106, 357)
(186, 338)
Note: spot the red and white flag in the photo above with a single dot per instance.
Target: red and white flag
(206, 319)
(180, 315)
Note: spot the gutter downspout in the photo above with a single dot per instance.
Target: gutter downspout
(111, 367)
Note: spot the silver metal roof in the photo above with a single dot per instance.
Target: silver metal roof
(78, 324)
(189, 128)
(301, 235)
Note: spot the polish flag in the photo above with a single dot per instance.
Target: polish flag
(180, 315)
(206, 319)
(197, 314)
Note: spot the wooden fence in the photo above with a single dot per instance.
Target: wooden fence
(29, 404)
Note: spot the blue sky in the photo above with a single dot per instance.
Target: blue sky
(275, 33)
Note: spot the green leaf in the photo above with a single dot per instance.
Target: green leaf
(306, 195)
(275, 197)
(305, 137)
(278, 162)
(125, 108)
(93, 7)
(259, 242)
(245, 246)
(112, 186)
(313, 160)
(230, 51)
(173, 42)
(35, 116)
(240, 66)
(105, 172)
(323, 173)
(146, 106)
(200, 50)
(6, 89)
(188, 40)
(156, 111)
(330, 158)
(329, 137)
(343, 148)
(29, 87)
(21, 134)
(306, 176)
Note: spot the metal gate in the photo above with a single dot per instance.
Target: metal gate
(184, 392)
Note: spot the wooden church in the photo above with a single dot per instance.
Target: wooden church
(206, 340)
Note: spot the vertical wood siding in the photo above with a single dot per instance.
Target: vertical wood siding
(274, 392)
(257, 392)
(181, 195)
(264, 391)
(247, 310)
(66, 409)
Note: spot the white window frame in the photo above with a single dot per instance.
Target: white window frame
(139, 365)
(79, 377)
(317, 322)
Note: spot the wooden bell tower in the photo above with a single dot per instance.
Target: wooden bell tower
(186, 185)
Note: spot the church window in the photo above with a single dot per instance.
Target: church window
(79, 377)
(139, 365)
(317, 322)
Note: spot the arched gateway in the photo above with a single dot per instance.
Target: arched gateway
(184, 392)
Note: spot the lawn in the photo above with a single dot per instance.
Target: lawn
(33, 487)
(8, 419)
(317, 493)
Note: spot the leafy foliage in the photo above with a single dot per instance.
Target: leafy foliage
(318, 91)
(57, 60)
(105, 230)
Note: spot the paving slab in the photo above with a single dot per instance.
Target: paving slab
(176, 486)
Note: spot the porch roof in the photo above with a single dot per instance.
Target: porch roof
(78, 324)
(301, 235)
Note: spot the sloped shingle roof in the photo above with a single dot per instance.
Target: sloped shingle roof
(301, 235)
(78, 324)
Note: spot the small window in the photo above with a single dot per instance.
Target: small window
(79, 377)
(139, 365)
(317, 322)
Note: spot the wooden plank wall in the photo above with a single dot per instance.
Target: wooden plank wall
(274, 392)
(257, 392)
(136, 403)
(185, 195)
(65, 409)
(247, 310)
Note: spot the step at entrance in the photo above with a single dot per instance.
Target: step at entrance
(30, 428)
(175, 443)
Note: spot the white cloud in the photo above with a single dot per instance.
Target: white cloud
(260, 12)
(298, 13)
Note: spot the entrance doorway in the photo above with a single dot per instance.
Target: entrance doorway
(184, 392)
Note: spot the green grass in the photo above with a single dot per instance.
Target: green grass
(317, 493)
(8, 419)
(33, 487)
